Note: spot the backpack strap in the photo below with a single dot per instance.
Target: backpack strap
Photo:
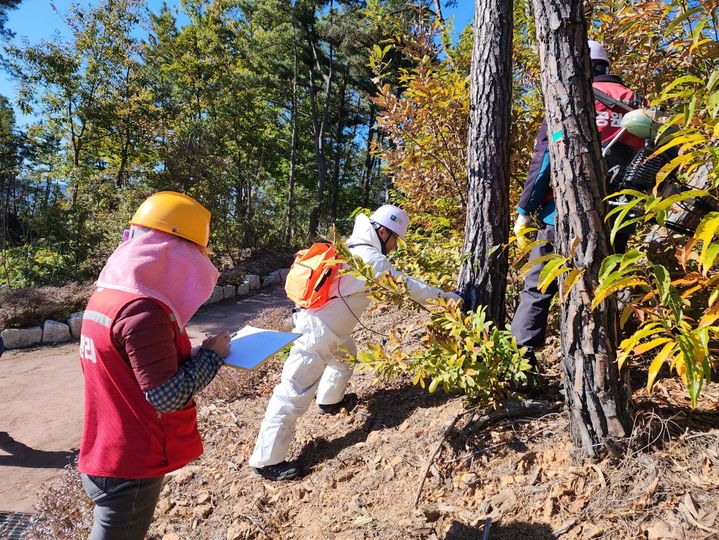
(609, 101)
(350, 246)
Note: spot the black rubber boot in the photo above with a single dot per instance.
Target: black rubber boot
(348, 402)
(279, 471)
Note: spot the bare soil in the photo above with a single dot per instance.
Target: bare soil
(363, 468)
(41, 420)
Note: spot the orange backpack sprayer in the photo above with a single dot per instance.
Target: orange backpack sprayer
(312, 273)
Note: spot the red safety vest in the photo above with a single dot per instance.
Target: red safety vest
(609, 119)
(123, 435)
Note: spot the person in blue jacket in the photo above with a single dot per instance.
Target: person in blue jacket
(530, 320)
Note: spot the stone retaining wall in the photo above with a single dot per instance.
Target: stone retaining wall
(52, 332)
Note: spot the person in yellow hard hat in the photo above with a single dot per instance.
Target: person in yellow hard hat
(140, 370)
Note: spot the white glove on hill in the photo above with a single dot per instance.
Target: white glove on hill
(523, 221)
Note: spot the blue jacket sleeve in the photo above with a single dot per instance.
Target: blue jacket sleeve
(538, 178)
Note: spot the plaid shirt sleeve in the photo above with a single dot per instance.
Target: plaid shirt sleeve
(191, 377)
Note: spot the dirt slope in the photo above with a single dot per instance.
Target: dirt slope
(363, 468)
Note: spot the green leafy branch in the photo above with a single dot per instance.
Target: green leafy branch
(461, 352)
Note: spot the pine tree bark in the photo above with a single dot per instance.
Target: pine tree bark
(319, 122)
(293, 156)
(597, 396)
(122, 174)
(338, 146)
(369, 158)
(483, 274)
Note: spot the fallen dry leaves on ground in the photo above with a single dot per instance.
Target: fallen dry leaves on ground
(362, 469)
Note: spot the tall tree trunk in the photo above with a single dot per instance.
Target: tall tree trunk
(388, 178)
(438, 11)
(440, 18)
(293, 156)
(369, 158)
(347, 170)
(122, 175)
(240, 206)
(319, 121)
(4, 213)
(341, 121)
(598, 399)
(484, 272)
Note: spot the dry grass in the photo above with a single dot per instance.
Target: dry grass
(21, 308)
(65, 511)
(31, 306)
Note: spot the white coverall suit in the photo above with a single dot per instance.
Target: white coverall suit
(315, 361)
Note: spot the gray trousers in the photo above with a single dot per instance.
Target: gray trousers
(123, 507)
(529, 325)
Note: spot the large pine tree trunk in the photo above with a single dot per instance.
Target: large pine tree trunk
(484, 272)
(319, 124)
(319, 121)
(338, 146)
(289, 225)
(369, 158)
(598, 399)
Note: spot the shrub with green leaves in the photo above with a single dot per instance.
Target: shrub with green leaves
(432, 251)
(677, 316)
(461, 352)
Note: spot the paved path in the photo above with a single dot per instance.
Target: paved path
(42, 401)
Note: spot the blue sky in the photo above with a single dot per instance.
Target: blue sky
(35, 20)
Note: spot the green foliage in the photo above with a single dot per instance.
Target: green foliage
(204, 107)
(28, 264)
(464, 353)
(697, 99)
(668, 51)
(674, 302)
(676, 316)
(432, 251)
(423, 113)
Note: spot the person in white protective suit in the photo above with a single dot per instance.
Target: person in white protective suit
(315, 361)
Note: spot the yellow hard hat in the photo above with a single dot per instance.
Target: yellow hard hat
(177, 214)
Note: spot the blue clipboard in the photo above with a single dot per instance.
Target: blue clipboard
(251, 346)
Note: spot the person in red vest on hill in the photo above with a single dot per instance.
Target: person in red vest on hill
(612, 101)
(140, 370)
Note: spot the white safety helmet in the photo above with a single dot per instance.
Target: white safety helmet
(597, 51)
(391, 217)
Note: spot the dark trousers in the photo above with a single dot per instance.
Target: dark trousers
(529, 325)
(123, 508)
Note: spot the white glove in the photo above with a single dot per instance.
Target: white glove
(523, 221)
